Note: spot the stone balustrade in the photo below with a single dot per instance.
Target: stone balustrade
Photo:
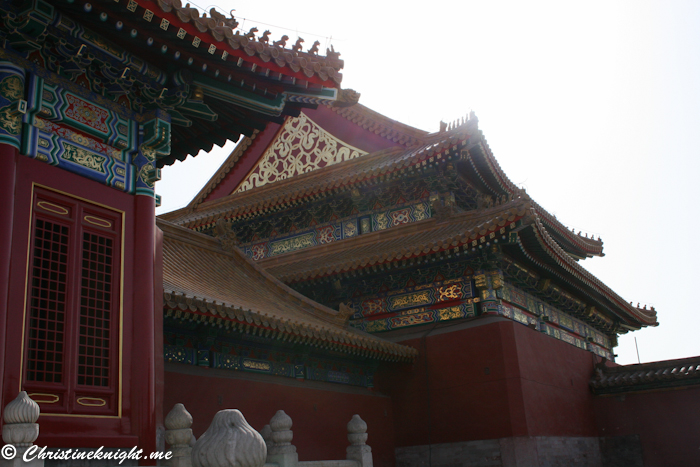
(228, 442)
(231, 442)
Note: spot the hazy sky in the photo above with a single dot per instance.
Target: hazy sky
(593, 107)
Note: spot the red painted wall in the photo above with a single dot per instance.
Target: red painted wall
(135, 427)
(319, 416)
(8, 162)
(667, 423)
(490, 381)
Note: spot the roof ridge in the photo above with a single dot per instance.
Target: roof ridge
(380, 124)
(511, 187)
(586, 276)
(218, 31)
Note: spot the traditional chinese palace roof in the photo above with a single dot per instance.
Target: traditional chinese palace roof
(538, 246)
(464, 146)
(204, 282)
(668, 374)
(213, 81)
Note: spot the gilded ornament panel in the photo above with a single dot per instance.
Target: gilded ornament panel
(301, 147)
(10, 121)
(410, 300)
(84, 161)
(417, 317)
(427, 294)
(83, 157)
(12, 88)
(291, 244)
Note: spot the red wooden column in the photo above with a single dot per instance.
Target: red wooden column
(8, 162)
(143, 387)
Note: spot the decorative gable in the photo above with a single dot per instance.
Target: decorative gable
(301, 146)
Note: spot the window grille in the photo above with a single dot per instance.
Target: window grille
(73, 308)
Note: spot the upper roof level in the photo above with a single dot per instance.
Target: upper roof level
(346, 149)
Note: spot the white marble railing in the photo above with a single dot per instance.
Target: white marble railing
(231, 442)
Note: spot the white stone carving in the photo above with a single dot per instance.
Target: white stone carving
(282, 451)
(20, 430)
(301, 146)
(178, 434)
(357, 436)
(229, 442)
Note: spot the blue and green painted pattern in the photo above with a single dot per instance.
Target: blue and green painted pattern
(12, 80)
(69, 155)
(291, 366)
(337, 230)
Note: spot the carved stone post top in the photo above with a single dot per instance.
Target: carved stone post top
(229, 442)
(20, 417)
(281, 421)
(357, 425)
(21, 410)
(178, 418)
(357, 431)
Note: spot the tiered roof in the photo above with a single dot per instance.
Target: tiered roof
(464, 147)
(204, 282)
(542, 242)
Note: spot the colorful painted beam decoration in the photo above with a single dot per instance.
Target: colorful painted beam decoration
(208, 352)
(439, 301)
(338, 230)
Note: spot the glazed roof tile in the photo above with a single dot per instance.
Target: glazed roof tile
(220, 31)
(201, 278)
(646, 376)
(382, 125)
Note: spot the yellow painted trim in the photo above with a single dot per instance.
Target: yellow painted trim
(76, 415)
(46, 206)
(98, 401)
(121, 299)
(97, 221)
(54, 397)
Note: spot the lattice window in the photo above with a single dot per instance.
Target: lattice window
(95, 308)
(48, 302)
(72, 339)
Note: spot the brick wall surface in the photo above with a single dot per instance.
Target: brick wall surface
(540, 451)
(486, 453)
(555, 451)
(621, 451)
